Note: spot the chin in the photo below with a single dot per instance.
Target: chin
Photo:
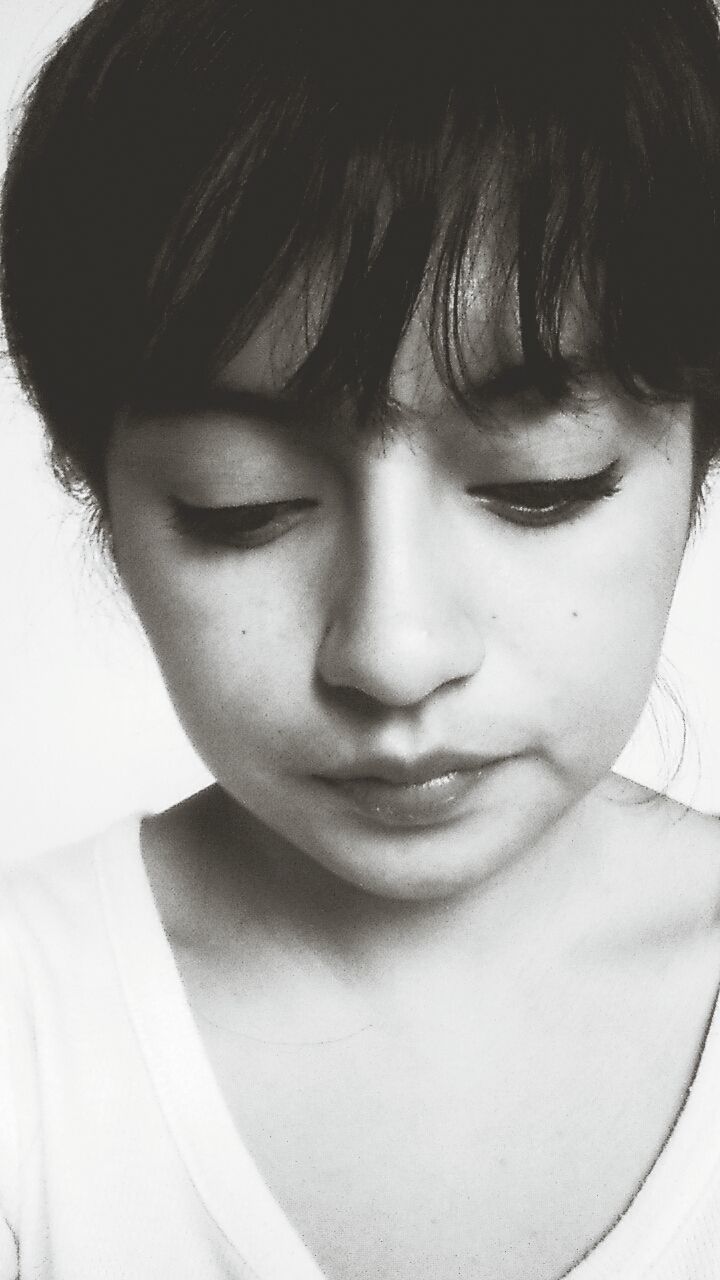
(405, 874)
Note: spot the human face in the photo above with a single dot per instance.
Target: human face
(414, 667)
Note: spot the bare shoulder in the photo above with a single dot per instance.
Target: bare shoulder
(174, 847)
(694, 846)
(676, 847)
(191, 851)
(687, 831)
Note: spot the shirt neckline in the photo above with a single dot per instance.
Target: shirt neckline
(224, 1173)
(220, 1166)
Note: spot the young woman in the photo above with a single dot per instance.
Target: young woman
(384, 341)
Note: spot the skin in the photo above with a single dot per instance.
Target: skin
(365, 991)
(403, 613)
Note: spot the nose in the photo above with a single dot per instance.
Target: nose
(402, 622)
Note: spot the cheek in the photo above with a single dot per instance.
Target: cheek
(597, 638)
(234, 650)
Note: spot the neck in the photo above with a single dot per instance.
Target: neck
(305, 909)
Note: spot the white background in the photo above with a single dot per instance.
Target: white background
(86, 732)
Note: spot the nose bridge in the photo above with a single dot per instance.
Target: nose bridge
(398, 625)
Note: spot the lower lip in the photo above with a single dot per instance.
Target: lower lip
(418, 804)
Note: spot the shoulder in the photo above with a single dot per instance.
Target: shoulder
(678, 823)
(688, 833)
(693, 841)
(62, 1011)
(59, 978)
(676, 852)
(50, 904)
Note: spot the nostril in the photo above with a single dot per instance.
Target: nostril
(355, 703)
(402, 672)
(393, 642)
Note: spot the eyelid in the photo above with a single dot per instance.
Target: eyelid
(230, 509)
(241, 526)
(537, 503)
(569, 485)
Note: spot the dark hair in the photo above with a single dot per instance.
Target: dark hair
(179, 162)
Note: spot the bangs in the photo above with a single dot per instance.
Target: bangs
(584, 170)
(184, 163)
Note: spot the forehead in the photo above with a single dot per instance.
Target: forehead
(263, 381)
(250, 409)
(481, 338)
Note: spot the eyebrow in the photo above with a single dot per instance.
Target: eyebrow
(278, 409)
(275, 409)
(517, 378)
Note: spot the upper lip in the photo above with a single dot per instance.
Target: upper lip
(409, 772)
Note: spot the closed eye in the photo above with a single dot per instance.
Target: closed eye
(243, 527)
(541, 503)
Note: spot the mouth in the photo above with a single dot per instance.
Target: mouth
(420, 793)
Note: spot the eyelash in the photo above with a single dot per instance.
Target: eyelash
(535, 505)
(543, 503)
(241, 527)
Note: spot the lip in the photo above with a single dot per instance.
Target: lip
(411, 793)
